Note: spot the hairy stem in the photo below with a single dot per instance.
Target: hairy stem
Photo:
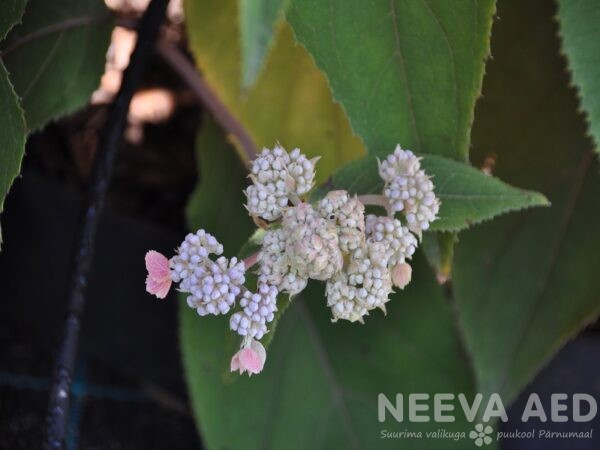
(376, 200)
(251, 260)
(95, 198)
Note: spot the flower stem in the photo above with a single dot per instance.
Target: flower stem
(294, 199)
(376, 200)
(251, 260)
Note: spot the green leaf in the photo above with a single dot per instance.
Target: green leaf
(580, 33)
(11, 12)
(405, 71)
(320, 385)
(290, 102)
(56, 56)
(468, 196)
(12, 136)
(258, 19)
(321, 381)
(525, 284)
(439, 250)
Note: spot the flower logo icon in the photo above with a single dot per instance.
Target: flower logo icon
(480, 435)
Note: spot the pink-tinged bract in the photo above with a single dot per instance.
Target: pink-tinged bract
(158, 281)
(249, 359)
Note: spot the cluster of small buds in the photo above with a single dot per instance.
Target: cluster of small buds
(258, 310)
(400, 163)
(212, 285)
(361, 258)
(278, 177)
(409, 189)
(348, 214)
(366, 284)
(399, 244)
(274, 266)
(341, 298)
(312, 243)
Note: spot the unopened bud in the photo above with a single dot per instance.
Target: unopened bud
(401, 275)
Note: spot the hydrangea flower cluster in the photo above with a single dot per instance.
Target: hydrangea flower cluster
(409, 189)
(361, 257)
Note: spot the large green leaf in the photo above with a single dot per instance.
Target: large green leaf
(468, 196)
(11, 12)
(258, 19)
(525, 284)
(321, 381)
(56, 56)
(290, 102)
(580, 33)
(406, 71)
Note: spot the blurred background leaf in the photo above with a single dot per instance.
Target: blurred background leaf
(406, 72)
(56, 56)
(12, 136)
(11, 12)
(526, 283)
(580, 34)
(290, 101)
(258, 22)
(321, 381)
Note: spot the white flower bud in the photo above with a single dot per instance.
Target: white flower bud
(400, 163)
(341, 298)
(277, 175)
(398, 242)
(212, 285)
(348, 213)
(274, 267)
(408, 189)
(312, 243)
(401, 275)
(302, 172)
(372, 277)
(364, 285)
(258, 309)
(414, 196)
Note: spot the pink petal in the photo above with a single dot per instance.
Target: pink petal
(249, 359)
(158, 288)
(260, 350)
(157, 266)
(235, 363)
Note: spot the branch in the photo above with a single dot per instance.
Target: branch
(188, 73)
(95, 199)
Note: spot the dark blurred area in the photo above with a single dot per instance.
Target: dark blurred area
(128, 389)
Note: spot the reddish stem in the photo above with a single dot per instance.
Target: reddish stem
(251, 260)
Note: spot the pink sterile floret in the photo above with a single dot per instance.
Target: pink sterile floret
(158, 281)
(249, 359)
